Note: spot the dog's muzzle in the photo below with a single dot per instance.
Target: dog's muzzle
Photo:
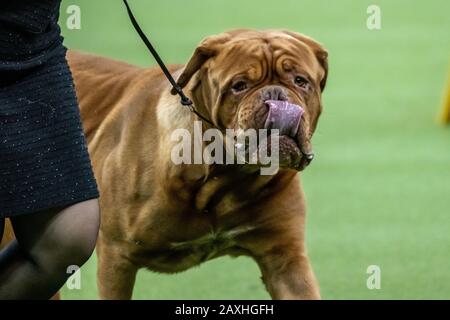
(287, 117)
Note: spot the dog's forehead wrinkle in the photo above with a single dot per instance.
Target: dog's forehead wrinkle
(251, 49)
(249, 61)
(269, 47)
(303, 63)
(253, 69)
(269, 38)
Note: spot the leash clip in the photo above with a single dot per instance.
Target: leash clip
(189, 105)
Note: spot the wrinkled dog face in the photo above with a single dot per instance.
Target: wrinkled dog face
(271, 79)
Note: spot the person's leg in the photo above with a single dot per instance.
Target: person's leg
(2, 226)
(35, 266)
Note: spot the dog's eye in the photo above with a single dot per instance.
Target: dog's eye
(239, 87)
(301, 82)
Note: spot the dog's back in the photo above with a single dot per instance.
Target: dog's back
(112, 80)
(96, 76)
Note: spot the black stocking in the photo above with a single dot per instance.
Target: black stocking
(35, 265)
(2, 226)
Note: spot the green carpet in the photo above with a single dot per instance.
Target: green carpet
(379, 190)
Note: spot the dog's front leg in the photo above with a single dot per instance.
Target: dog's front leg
(115, 274)
(287, 274)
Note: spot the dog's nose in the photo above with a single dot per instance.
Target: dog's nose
(274, 93)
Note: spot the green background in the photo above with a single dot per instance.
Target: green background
(379, 190)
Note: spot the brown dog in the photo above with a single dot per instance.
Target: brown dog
(168, 217)
(8, 234)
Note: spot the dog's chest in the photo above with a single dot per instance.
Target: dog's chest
(182, 255)
(212, 228)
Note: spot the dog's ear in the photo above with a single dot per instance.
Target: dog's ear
(322, 56)
(207, 49)
(319, 51)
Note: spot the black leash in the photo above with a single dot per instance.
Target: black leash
(185, 101)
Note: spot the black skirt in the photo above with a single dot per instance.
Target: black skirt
(44, 160)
